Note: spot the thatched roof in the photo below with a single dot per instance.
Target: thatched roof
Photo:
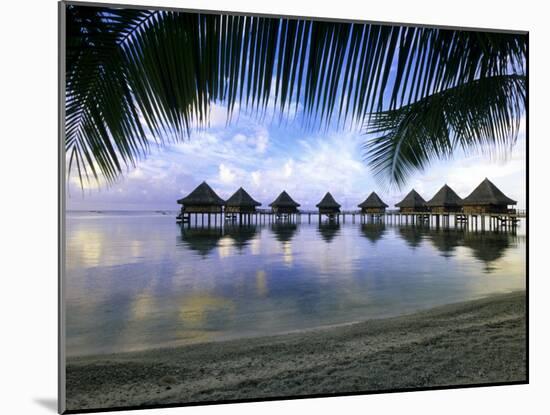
(284, 200)
(241, 199)
(487, 194)
(203, 195)
(373, 201)
(328, 202)
(412, 200)
(445, 197)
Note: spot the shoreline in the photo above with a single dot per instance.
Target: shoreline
(473, 342)
(304, 331)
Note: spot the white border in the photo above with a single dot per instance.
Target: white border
(29, 208)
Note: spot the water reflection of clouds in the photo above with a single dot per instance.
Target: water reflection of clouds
(284, 233)
(139, 289)
(225, 247)
(143, 305)
(287, 252)
(91, 243)
(261, 283)
(255, 246)
(85, 248)
(197, 309)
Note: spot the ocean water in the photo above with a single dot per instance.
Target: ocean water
(137, 280)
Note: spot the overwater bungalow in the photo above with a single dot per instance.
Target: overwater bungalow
(445, 201)
(486, 198)
(284, 205)
(372, 205)
(328, 206)
(240, 203)
(201, 200)
(413, 202)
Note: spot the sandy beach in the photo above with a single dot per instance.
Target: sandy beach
(481, 341)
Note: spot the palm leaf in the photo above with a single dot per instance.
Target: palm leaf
(137, 75)
(483, 114)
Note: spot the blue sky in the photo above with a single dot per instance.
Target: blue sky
(268, 156)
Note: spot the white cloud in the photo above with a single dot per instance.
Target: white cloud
(261, 143)
(218, 116)
(225, 174)
(265, 159)
(256, 178)
(239, 138)
(288, 168)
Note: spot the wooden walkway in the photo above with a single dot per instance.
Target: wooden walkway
(483, 221)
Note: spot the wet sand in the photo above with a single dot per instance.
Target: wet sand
(475, 342)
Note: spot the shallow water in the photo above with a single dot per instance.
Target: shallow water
(137, 280)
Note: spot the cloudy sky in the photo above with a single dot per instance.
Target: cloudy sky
(268, 156)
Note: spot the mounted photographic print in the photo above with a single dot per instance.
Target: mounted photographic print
(269, 207)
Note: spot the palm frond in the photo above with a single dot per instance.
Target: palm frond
(136, 74)
(103, 130)
(482, 114)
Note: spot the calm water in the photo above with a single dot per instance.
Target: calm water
(138, 280)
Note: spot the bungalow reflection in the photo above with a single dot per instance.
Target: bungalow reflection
(489, 247)
(446, 241)
(201, 240)
(373, 231)
(284, 232)
(328, 230)
(412, 235)
(241, 236)
(205, 311)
